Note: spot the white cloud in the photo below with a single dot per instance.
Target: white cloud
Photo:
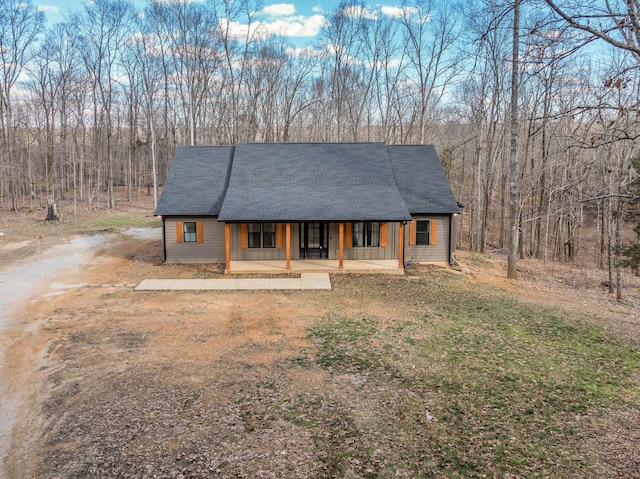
(293, 26)
(297, 26)
(306, 52)
(398, 12)
(317, 9)
(135, 38)
(393, 63)
(339, 50)
(238, 30)
(280, 9)
(359, 11)
(48, 9)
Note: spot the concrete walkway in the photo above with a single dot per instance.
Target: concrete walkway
(305, 281)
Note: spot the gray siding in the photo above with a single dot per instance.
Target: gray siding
(211, 250)
(263, 254)
(363, 254)
(267, 254)
(438, 253)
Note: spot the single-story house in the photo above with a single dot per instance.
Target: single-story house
(296, 201)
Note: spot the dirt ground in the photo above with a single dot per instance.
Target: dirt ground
(229, 336)
(90, 342)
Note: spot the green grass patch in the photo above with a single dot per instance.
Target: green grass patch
(118, 220)
(512, 386)
(345, 343)
(105, 221)
(477, 259)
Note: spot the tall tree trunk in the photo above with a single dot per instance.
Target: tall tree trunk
(13, 182)
(154, 161)
(609, 243)
(63, 146)
(512, 258)
(619, 221)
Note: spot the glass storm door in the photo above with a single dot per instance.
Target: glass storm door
(314, 240)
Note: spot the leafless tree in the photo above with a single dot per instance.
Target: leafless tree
(238, 33)
(20, 25)
(64, 60)
(485, 93)
(342, 39)
(514, 210)
(617, 22)
(103, 27)
(430, 36)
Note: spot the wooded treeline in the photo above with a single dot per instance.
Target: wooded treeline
(103, 99)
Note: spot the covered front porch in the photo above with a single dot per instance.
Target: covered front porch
(285, 256)
(316, 266)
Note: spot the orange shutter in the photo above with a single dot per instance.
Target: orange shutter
(432, 236)
(412, 233)
(179, 231)
(200, 231)
(383, 235)
(243, 235)
(348, 238)
(279, 235)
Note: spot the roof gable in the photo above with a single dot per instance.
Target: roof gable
(197, 181)
(312, 182)
(421, 179)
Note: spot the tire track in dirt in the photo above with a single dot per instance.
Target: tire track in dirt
(18, 284)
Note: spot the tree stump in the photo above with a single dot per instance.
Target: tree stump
(52, 211)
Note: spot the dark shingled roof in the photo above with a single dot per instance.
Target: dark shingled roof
(421, 179)
(197, 181)
(312, 182)
(306, 182)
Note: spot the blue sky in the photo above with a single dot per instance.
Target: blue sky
(296, 20)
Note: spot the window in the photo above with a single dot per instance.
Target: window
(189, 232)
(423, 232)
(261, 235)
(358, 235)
(255, 235)
(366, 234)
(373, 234)
(269, 235)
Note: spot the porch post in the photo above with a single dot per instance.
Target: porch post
(341, 246)
(287, 234)
(227, 247)
(401, 247)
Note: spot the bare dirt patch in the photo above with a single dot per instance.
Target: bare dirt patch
(188, 357)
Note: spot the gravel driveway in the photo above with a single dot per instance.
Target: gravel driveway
(26, 279)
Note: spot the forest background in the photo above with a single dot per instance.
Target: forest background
(97, 103)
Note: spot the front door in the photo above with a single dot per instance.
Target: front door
(314, 240)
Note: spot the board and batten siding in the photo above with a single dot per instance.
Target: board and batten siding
(364, 253)
(240, 253)
(210, 250)
(434, 253)
(212, 247)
